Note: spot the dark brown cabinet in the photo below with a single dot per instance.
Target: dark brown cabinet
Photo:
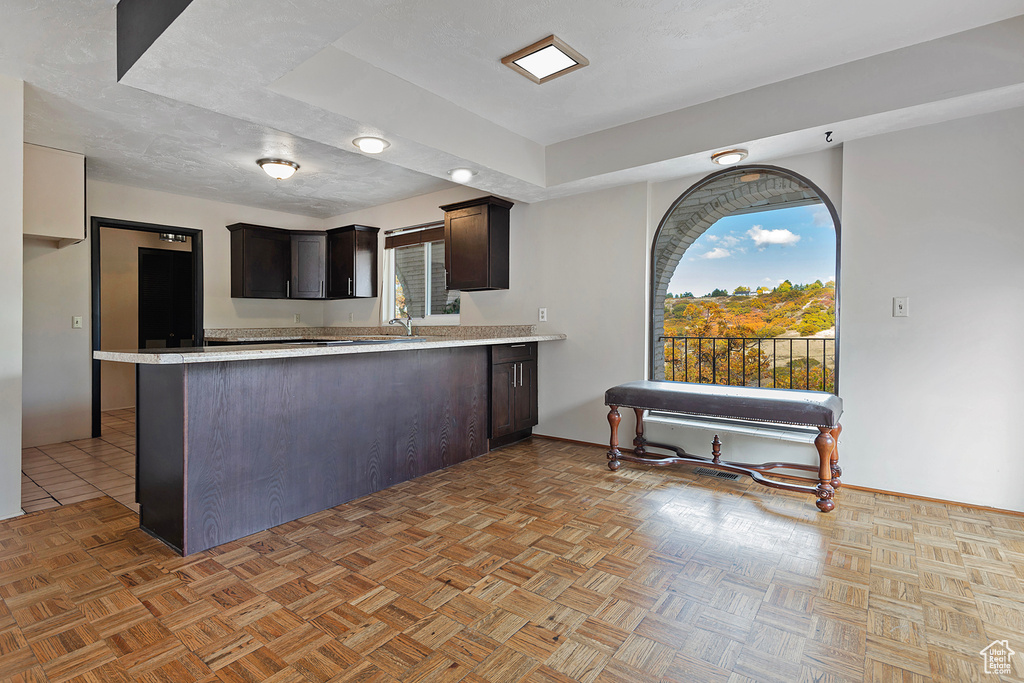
(309, 265)
(513, 392)
(476, 244)
(271, 263)
(352, 262)
(260, 261)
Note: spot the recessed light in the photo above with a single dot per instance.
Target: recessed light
(545, 59)
(461, 175)
(729, 157)
(371, 145)
(278, 168)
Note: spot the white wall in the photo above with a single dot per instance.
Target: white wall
(12, 116)
(932, 400)
(57, 359)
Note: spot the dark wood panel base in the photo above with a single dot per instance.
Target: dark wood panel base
(260, 443)
(514, 437)
(825, 443)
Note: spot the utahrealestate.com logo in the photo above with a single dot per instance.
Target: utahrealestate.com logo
(997, 657)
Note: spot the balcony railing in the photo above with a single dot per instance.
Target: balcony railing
(785, 363)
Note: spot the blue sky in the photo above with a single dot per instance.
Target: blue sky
(760, 250)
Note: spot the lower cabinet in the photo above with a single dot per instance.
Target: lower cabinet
(513, 392)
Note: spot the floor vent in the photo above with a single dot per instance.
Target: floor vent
(716, 473)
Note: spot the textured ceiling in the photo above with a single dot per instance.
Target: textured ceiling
(235, 80)
(65, 51)
(647, 57)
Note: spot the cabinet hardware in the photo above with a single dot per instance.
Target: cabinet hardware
(517, 346)
(321, 289)
(513, 375)
(350, 286)
(287, 289)
(520, 374)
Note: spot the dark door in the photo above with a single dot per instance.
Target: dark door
(526, 395)
(166, 299)
(267, 263)
(308, 263)
(466, 255)
(342, 250)
(502, 400)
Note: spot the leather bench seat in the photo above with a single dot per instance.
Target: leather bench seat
(784, 406)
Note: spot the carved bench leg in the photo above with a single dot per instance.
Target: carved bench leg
(639, 442)
(613, 445)
(837, 471)
(825, 445)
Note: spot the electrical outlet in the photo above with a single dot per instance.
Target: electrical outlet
(296, 318)
(351, 317)
(76, 322)
(542, 315)
(901, 307)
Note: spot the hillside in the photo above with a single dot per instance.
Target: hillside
(803, 310)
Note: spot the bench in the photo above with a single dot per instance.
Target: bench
(818, 409)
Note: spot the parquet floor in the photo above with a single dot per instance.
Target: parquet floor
(532, 563)
(70, 472)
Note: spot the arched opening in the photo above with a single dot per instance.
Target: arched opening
(728, 353)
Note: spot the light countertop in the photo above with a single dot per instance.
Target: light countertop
(219, 354)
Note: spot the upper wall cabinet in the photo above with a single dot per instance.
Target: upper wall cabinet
(271, 263)
(352, 262)
(54, 194)
(261, 260)
(476, 244)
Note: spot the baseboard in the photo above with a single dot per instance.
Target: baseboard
(866, 489)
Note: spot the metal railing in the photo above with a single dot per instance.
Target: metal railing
(783, 363)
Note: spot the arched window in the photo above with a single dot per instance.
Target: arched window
(775, 331)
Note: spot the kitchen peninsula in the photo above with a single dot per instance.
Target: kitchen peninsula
(232, 440)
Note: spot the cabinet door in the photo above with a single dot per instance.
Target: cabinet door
(525, 409)
(466, 253)
(365, 274)
(266, 263)
(502, 400)
(341, 249)
(308, 264)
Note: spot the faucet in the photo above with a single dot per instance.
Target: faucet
(406, 322)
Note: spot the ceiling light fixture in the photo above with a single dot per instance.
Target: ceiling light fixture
(278, 168)
(371, 145)
(461, 175)
(729, 157)
(546, 59)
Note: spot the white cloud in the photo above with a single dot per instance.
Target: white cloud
(765, 238)
(717, 252)
(730, 241)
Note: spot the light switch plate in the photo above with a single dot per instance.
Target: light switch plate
(76, 322)
(901, 307)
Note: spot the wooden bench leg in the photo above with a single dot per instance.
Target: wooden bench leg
(837, 471)
(613, 445)
(639, 442)
(825, 445)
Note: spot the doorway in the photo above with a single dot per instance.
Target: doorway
(147, 292)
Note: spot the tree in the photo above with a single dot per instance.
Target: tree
(718, 292)
(786, 286)
(688, 295)
(741, 291)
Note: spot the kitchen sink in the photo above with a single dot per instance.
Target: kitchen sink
(356, 341)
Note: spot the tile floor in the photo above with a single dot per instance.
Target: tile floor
(73, 471)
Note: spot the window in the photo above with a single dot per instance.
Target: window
(415, 270)
(744, 269)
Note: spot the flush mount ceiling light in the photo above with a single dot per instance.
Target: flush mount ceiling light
(278, 168)
(545, 59)
(371, 145)
(729, 157)
(461, 175)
